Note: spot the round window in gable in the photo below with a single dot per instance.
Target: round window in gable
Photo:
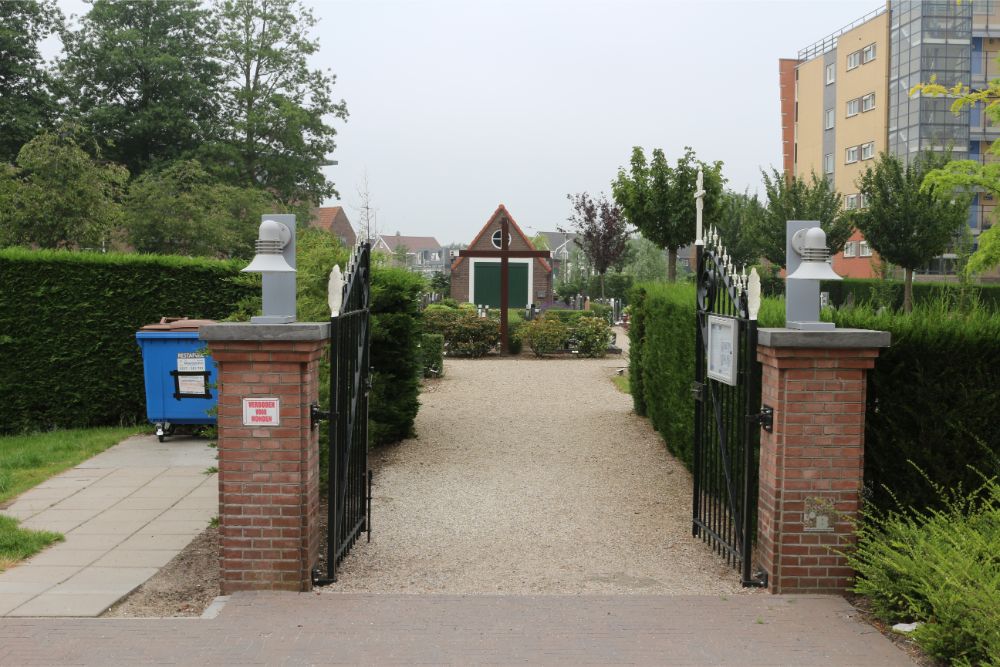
(497, 235)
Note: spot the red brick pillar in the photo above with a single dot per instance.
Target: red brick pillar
(812, 464)
(268, 453)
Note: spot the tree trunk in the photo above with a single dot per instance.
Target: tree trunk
(672, 264)
(907, 290)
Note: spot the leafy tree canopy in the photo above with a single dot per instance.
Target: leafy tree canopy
(26, 102)
(142, 78)
(602, 232)
(794, 198)
(905, 223)
(966, 176)
(659, 199)
(276, 108)
(59, 196)
(741, 218)
(182, 210)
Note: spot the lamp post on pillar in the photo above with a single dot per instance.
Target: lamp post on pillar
(275, 259)
(806, 257)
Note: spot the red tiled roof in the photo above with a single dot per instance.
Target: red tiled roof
(334, 220)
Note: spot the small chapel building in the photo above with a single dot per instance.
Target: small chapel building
(477, 279)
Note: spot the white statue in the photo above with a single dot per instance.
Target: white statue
(699, 199)
(753, 294)
(335, 291)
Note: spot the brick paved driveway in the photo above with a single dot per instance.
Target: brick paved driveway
(302, 629)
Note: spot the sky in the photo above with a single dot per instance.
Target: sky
(458, 106)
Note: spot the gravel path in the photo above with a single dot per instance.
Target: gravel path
(531, 476)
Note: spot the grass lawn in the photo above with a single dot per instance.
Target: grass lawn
(28, 460)
(621, 381)
(18, 543)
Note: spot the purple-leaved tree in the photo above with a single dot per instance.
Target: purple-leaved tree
(603, 232)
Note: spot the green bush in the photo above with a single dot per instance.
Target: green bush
(473, 336)
(432, 353)
(592, 335)
(68, 323)
(601, 310)
(395, 354)
(568, 317)
(890, 292)
(546, 335)
(636, 344)
(616, 286)
(933, 398)
(940, 567)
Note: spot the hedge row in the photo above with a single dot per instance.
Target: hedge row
(890, 292)
(68, 323)
(933, 396)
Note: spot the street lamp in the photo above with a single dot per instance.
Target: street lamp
(275, 260)
(807, 259)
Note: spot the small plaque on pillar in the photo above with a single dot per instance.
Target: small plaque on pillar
(261, 412)
(820, 515)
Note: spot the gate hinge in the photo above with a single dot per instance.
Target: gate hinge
(698, 389)
(764, 418)
(316, 415)
(757, 580)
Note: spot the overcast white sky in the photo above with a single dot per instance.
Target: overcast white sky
(457, 106)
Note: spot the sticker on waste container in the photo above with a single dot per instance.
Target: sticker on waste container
(191, 384)
(189, 362)
(260, 412)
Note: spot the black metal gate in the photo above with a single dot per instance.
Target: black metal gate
(350, 479)
(727, 419)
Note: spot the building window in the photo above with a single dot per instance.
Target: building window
(853, 59)
(852, 107)
(851, 202)
(831, 72)
(851, 155)
(829, 119)
(498, 238)
(828, 163)
(868, 54)
(850, 248)
(864, 250)
(868, 102)
(868, 150)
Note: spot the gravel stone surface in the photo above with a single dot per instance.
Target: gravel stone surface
(532, 476)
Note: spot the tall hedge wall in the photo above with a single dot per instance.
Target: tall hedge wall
(68, 323)
(933, 396)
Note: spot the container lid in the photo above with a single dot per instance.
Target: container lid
(176, 324)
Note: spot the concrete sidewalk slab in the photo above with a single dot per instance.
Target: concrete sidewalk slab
(125, 513)
(303, 629)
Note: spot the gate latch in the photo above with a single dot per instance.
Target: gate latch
(698, 390)
(316, 415)
(765, 418)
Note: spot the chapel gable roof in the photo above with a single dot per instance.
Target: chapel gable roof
(412, 243)
(515, 229)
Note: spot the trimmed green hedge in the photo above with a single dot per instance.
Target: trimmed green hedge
(432, 354)
(933, 395)
(890, 292)
(68, 323)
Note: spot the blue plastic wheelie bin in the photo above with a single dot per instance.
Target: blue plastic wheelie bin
(180, 375)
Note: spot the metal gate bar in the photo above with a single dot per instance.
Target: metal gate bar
(724, 507)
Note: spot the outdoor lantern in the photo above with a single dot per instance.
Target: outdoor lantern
(272, 239)
(810, 244)
(275, 259)
(806, 258)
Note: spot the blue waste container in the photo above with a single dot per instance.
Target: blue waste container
(180, 376)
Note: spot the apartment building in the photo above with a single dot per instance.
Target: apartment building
(850, 100)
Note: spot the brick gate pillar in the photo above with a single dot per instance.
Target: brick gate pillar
(268, 453)
(812, 463)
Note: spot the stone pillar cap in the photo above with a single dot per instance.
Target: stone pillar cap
(296, 331)
(833, 338)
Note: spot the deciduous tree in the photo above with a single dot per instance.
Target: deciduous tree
(659, 199)
(602, 232)
(905, 223)
(27, 105)
(182, 210)
(739, 223)
(141, 77)
(60, 196)
(277, 109)
(794, 198)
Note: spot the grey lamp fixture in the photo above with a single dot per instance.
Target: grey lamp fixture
(806, 257)
(275, 259)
